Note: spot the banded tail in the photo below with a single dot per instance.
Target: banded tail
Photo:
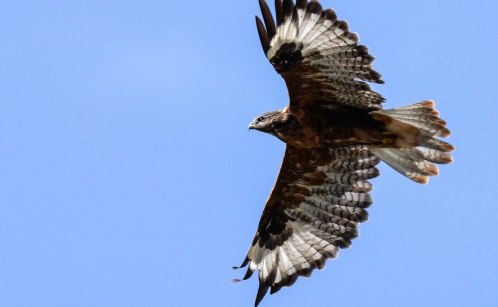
(417, 149)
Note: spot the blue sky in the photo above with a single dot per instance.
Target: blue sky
(129, 177)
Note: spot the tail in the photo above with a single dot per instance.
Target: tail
(416, 151)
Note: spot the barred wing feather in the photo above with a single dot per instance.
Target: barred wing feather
(320, 197)
(317, 55)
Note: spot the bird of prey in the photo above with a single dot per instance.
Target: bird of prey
(336, 132)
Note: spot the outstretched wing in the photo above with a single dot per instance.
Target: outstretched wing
(314, 209)
(319, 59)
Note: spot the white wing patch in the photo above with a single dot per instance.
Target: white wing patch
(325, 55)
(325, 220)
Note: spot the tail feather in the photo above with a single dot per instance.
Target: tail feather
(418, 151)
(436, 156)
(421, 115)
(408, 162)
(432, 143)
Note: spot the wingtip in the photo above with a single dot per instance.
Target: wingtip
(263, 36)
(268, 19)
(262, 290)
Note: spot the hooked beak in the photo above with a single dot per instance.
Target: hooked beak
(252, 126)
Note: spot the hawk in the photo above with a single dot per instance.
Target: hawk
(336, 132)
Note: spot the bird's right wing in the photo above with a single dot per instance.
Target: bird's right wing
(318, 201)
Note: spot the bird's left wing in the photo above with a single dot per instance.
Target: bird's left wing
(318, 57)
(314, 209)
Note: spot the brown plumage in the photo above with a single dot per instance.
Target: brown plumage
(336, 133)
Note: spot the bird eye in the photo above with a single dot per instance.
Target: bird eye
(260, 119)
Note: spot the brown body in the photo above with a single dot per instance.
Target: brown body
(337, 127)
(321, 127)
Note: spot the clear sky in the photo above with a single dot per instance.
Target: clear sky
(129, 178)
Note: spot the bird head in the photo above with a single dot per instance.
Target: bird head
(266, 122)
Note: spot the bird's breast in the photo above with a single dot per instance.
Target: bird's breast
(335, 128)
